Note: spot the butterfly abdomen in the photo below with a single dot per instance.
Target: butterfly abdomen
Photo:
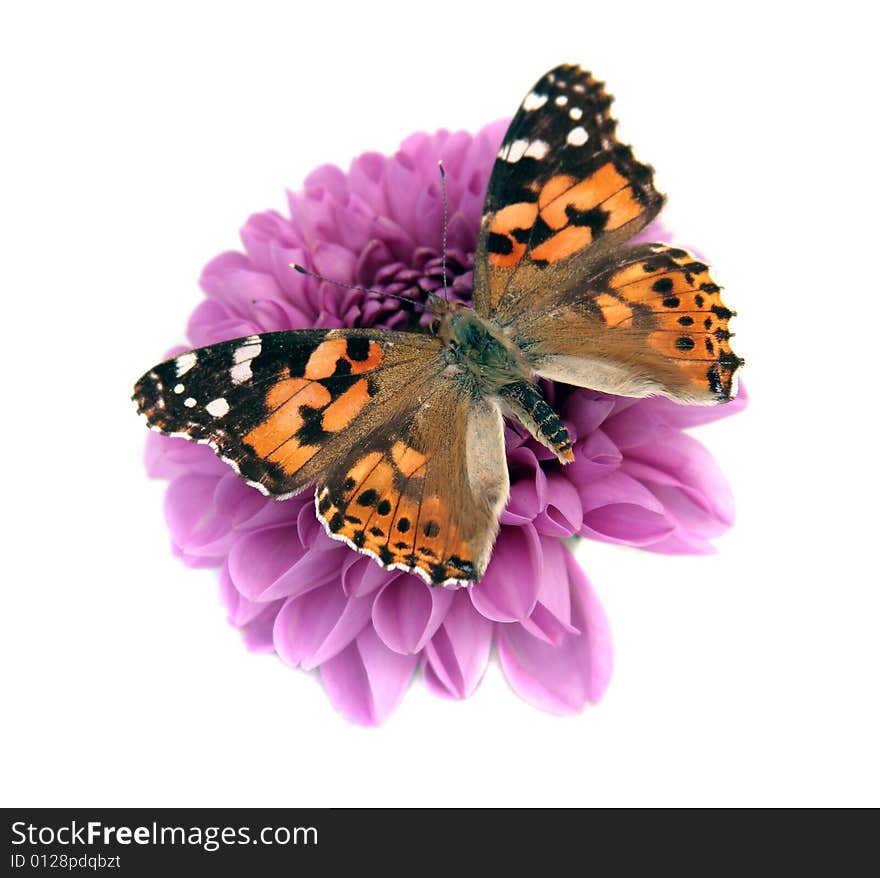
(524, 402)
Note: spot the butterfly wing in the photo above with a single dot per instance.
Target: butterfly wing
(410, 466)
(424, 491)
(563, 191)
(553, 269)
(282, 406)
(647, 320)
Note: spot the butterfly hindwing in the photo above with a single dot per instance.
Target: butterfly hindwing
(281, 406)
(648, 320)
(562, 190)
(425, 490)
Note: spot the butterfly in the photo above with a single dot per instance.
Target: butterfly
(403, 432)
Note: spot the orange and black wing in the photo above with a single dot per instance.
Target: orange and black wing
(563, 190)
(409, 464)
(424, 491)
(282, 406)
(647, 320)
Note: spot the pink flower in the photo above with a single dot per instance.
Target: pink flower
(637, 478)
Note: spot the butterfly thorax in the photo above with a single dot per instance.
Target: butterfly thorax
(490, 364)
(479, 347)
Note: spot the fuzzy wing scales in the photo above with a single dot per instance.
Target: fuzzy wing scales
(563, 189)
(279, 407)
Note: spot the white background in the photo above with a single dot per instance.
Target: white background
(136, 140)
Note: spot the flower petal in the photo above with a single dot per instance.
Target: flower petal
(407, 612)
(687, 479)
(563, 514)
(586, 411)
(550, 620)
(619, 509)
(190, 514)
(362, 575)
(458, 653)
(594, 457)
(683, 416)
(509, 589)
(254, 620)
(366, 681)
(528, 492)
(313, 627)
(271, 563)
(167, 456)
(566, 677)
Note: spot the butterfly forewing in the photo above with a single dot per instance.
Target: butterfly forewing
(563, 190)
(281, 406)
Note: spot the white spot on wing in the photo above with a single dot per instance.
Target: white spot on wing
(185, 362)
(517, 150)
(575, 113)
(242, 357)
(241, 372)
(534, 101)
(537, 149)
(189, 402)
(179, 388)
(577, 136)
(217, 407)
(247, 351)
(561, 100)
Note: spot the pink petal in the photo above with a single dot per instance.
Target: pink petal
(366, 681)
(565, 678)
(362, 575)
(190, 514)
(509, 589)
(265, 231)
(254, 620)
(407, 612)
(167, 457)
(237, 282)
(528, 493)
(458, 653)
(684, 416)
(238, 500)
(551, 618)
(563, 514)
(239, 610)
(327, 177)
(594, 458)
(313, 627)
(271, 563)
(619, 509)
(637, 425)
(586, 411)
(687, 480)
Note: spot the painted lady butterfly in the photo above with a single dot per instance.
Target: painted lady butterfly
(403, 431)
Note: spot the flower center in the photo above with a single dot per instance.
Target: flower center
(419, 278)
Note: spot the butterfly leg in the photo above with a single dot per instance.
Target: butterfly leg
(524, 402)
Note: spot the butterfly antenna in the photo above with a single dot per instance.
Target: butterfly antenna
(302, 270)
(445, 226)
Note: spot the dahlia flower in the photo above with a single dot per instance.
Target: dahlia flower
(637, 479)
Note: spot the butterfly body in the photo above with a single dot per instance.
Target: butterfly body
(478, 345)
(403, 432)
(490, 365)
